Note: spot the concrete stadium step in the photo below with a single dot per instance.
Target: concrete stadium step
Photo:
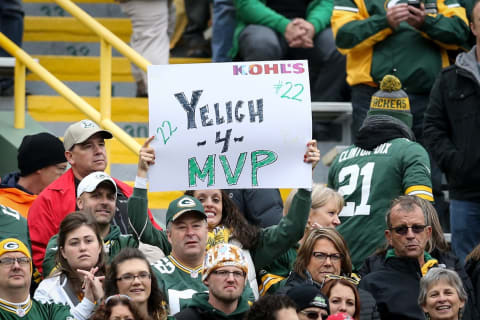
(124, 89)
(52, 9)
(71, 30)
(63, 48)
(70, 68)
(58, 109)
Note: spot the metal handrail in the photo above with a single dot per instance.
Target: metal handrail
(24, 60)
(104, 33)
(107, 41)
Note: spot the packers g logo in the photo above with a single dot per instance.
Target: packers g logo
(186, 203)
(101, 175)
(88, 124)
(11, 245)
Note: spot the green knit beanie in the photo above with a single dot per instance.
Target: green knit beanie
(391, 100)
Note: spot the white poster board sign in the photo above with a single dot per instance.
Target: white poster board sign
(230, 125)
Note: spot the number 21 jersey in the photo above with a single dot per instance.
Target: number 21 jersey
(369, 181)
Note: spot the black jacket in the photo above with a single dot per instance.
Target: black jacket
(368, 307)
(472, 267)
(452, 126)
(448, 260)
(395, 287)
(261, 207)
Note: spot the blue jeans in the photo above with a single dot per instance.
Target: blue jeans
(465, 226)
(223, 28)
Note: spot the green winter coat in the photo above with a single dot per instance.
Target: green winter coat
(257, 12)
(200, 308)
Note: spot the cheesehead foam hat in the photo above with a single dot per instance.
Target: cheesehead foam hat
(15, 245)
(182, 205)
(224, 255)
(391, 100)
(82, 130)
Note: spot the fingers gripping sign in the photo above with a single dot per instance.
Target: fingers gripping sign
(312, 155)
(146, 158)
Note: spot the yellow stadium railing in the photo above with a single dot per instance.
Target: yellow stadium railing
(107, 41)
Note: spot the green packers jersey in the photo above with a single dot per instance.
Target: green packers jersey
(369, 181)
(33, 310)
(13, 225)
(178, 282)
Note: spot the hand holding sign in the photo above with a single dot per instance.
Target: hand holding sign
(146, 158)
(312, 155)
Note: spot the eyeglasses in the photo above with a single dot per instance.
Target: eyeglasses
(314, 315)
(335, 277)
(322, 257)
(7, 262)
(116, 298)
(403, 230)
(226, 274)
(128, 277)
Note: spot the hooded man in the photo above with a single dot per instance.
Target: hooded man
(383, 163)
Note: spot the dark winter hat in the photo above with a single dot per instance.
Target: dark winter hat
(308, 295)
(391, 100)
(38, 151)
(182, 205)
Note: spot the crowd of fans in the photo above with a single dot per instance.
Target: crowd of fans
(79, 244)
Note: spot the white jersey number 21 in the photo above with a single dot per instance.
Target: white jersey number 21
(353, 172)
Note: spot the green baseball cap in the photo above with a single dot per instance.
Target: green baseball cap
(182, 205)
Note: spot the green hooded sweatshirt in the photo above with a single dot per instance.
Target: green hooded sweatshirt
(199, 308)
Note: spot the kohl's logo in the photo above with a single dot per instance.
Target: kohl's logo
(268, 68)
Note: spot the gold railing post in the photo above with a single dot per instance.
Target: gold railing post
(106, 88)
(19, 94)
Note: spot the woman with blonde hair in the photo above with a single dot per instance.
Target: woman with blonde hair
(324, 211)
(326, 206)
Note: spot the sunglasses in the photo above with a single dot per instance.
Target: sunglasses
(354, 281)
(403, 230)
(116, 298)
(314, 315)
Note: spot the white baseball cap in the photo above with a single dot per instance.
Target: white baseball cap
(91, 182)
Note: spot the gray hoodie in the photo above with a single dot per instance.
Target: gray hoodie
(468, 61)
